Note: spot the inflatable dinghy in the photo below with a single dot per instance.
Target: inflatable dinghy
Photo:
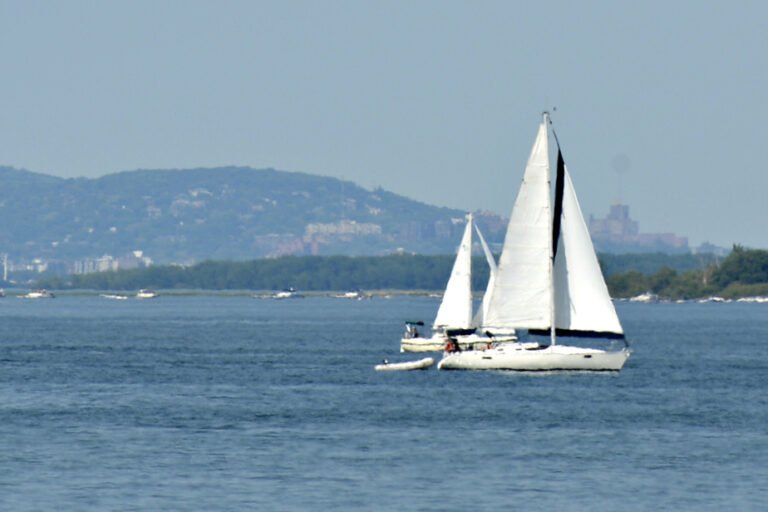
(421, 364)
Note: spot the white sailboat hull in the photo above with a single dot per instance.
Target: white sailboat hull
(519, 357)
(437, 342)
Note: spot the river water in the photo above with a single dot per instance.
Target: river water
(233, 403)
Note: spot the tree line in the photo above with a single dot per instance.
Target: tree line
(308, 273)
(743, 273)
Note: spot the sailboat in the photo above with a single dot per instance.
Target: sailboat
(454, 321)
(548, 281)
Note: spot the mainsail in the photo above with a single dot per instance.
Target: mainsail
(521, 296)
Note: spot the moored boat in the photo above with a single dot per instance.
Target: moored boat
(38, 294)
(288, 293)
(113, 296)
(353, 294)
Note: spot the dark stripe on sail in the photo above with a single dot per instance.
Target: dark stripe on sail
(579, 334)
(559, 186)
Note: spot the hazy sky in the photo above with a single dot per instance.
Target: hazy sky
(662, 104)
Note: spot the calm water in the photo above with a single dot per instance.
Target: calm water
(233, 403)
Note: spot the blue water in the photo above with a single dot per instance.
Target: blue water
(233, 403)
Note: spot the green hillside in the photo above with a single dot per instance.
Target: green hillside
(227, 213)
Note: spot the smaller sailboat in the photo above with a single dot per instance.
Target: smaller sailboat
(454, 321)
(548, 281)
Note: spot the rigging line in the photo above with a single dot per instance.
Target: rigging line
(557, 141)
(549, 118)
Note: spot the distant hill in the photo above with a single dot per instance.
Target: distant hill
(227, 213)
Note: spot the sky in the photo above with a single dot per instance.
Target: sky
(661, 105)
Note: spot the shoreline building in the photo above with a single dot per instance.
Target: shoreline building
(618, 233)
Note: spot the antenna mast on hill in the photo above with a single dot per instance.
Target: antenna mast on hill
(621, 165)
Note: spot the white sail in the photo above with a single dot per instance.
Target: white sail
(456, 308)
(521, 296)
(582, 302)
(482, 311)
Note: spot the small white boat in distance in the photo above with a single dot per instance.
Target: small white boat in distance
(645, 297)
(356, 294)
(714, 299)
(288, 293)
(113, 296)
(758, 300)
(38, 294)
(421, 364)
(146, 294)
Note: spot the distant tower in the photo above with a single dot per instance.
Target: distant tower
(621, 165)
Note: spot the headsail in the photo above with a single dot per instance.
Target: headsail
(521, 296)
(582, 303)
(482, 311)
(456, 308)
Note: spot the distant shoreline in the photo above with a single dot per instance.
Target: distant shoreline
(266, 294)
